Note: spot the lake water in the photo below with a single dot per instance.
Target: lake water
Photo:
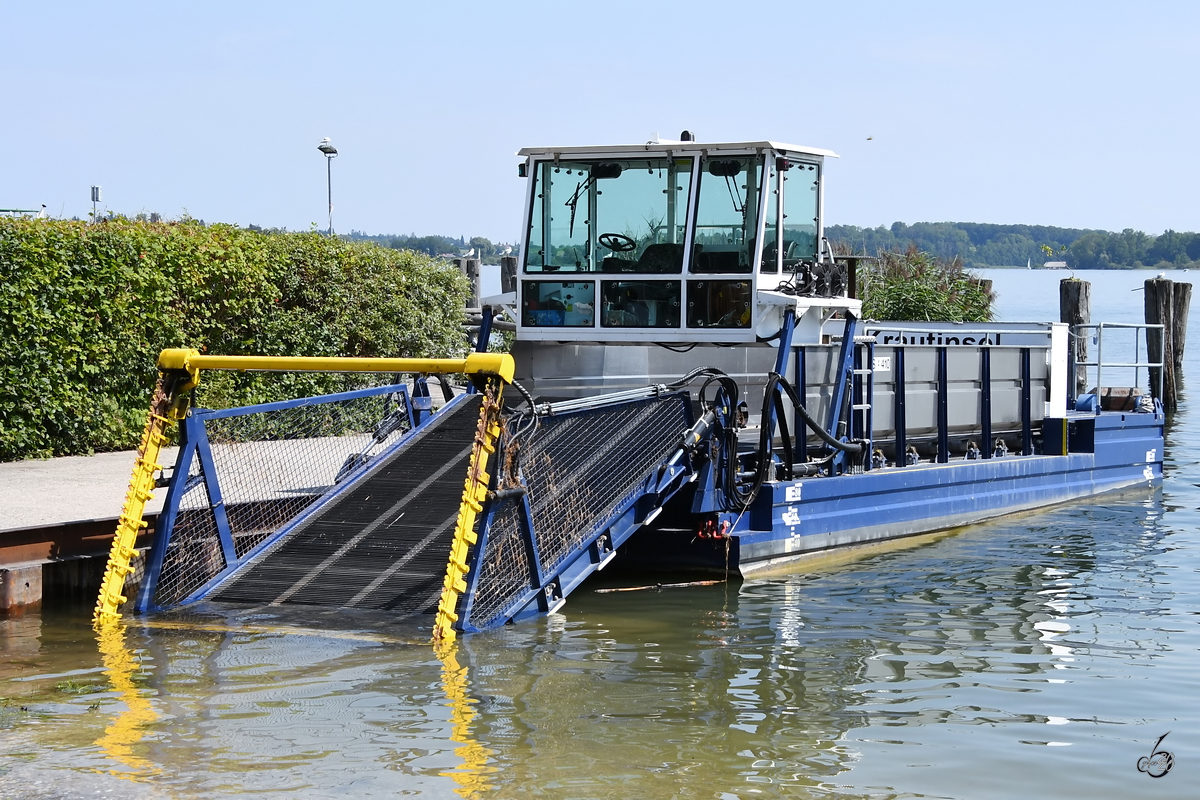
(1036, 656)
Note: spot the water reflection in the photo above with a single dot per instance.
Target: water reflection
(128, 727)
(472, 776)
(779, 681)
(985, 656)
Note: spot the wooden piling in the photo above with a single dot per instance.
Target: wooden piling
(508, 273)
(1075, 308)
(470, 268)
(1179, 320)
(1159, 311)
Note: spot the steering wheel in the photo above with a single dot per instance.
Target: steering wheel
(617, 242)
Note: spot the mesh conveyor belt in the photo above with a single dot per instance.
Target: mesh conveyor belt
(382, 544)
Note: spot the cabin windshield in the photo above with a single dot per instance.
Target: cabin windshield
(801, 203)
(727, 217)
(627, 215)
(801, 189)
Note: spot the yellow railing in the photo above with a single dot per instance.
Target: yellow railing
(192, 361)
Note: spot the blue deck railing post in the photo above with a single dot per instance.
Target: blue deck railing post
(801, 384)
(985, 399)
(943, 408)
(869, 423)
(900, 423)
(1026, 405)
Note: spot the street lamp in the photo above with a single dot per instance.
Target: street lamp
(330, 154)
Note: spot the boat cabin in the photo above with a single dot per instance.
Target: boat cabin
(671, 241)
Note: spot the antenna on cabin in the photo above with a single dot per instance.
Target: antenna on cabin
(687, 136)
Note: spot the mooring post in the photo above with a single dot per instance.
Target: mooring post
(1179, 320)
(1075, 308)
(508, 273)
(471, 270)
(1159, 311)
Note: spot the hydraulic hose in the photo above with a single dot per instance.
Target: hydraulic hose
(775, 379)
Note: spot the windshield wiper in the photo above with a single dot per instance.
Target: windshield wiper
(582, 187)
(738, 208)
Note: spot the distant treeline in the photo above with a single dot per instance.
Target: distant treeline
(483, 247)
(985, 245)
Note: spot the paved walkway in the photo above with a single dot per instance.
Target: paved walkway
(52, 491)
(71, 489)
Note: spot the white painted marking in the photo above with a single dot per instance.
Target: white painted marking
(792, 493)
(1150, 454)
(791, 516)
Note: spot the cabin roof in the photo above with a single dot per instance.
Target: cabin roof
(665, 146)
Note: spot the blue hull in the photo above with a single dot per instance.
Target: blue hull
(798, 518)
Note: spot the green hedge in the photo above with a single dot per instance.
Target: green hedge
(85, 309)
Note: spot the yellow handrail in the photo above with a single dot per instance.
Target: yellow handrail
(192, 361)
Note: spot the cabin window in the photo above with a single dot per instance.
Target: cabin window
(770, 254)
(640, 304)
(727, 214)
(626, 215)
(719, 304)
(801, 193)
(558, 304)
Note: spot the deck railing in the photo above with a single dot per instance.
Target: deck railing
(1153, 368)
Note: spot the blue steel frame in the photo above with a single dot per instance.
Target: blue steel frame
(194, 443)
(547, 589)
(849, 383)
(845, 377)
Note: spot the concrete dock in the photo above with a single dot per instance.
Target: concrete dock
(57, 520)
(54, 491)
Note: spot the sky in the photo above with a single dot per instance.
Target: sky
(1052, 113)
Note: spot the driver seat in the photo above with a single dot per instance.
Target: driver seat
(663, 257)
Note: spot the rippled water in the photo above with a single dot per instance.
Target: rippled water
(1036, 656)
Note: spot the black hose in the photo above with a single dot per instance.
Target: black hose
(775, 379)
(697, 372)
(524, 393)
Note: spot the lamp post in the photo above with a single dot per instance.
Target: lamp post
(330, 154)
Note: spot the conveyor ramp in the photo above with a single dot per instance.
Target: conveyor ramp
(365, 500)
(380, 543)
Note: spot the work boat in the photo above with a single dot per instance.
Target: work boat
(692, 386)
